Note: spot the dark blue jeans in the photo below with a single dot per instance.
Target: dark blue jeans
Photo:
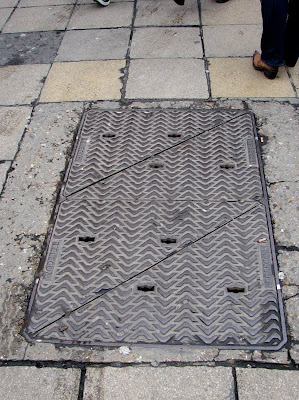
(291, 50)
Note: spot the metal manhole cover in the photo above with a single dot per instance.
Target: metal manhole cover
(162, 235)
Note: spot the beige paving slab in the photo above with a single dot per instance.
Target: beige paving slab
(94, 44)
(21, 84)
(267, 384)
(92, 1)
(235, 77)
(295, 76)
(167, 78)
(93, 16)
(4, 15)
(85, 80)
(4, 167)
(231, 12)
(166, 43)
(8, 3)
(166, 12)
(13, 121)
(231, 40)
(170, 383)
(28, 383)
(31, 3)
(39, 19)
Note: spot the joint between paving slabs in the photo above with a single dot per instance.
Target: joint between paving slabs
(187, 245)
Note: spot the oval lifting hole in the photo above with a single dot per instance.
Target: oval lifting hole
(174, 135)
(168, 240)
(109, 135)
(146, 288)
(227, 166)
(235, 289)
(86, 239)
(156, 165)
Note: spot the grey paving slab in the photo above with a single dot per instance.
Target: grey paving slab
(29, 48)
(288, 265)
(88, 16)
(232, 12)
(8, 3)
(38, 19)
(285, 212)
(278, 124)
(166, 43)
(231, 40)
(26, 207)
(32, 3)
(21, 84)
(94, 44)
(294, 352)
(145, 383)
(13, 121)
(166, 13)
(92, 1)
(4, 15)
(267, 384)
(167, 78)
(29, 383)
(4, 167)
(292, 309)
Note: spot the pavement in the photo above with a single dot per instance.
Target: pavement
(61, 57)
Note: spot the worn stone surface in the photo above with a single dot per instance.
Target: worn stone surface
(21, 84)
(265, 384)
(284, 204)
(213, 13)
(166, 13)
(29, 48)
(289, 266)
(295, 76)
(166, 43)
(92, 16)
(26, 208)
(30, 3)
(292, 310)
(167, 78)
(235, 77)
(4, 15)
(278, 357)
(85, 80)
(13, 121)
(39, 19)
(294, 353)
(8, 3)
(94, 44)
(4, 166)
(231, 40)
(168, 383)
(29, 383)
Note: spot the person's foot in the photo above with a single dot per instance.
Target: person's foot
(103, 3)
(221, 1)
(258, 64)
(180, 2)
(291, 61)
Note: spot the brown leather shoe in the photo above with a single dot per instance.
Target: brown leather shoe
(258, 64)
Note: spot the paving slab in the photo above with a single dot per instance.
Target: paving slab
(27, 383)
(170, 383)
(13, 121)
(95, 44)
(26, 207)
(235, 77)
(231, 40)
(267, 384)
(29, 48)
(288, 265)
(4, 167)
(166, 43)
(4, 15)
(8, 3)
(39, 3)
(39, 19)
(21, 84)
(284, 202)
(295, 77)
(231, 13)
(85, 80)
(88, 16)
(92, 1)
(292, 310)
(167, 78)
(294, 352)
(166, 13)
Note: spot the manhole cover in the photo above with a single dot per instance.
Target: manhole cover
(162, 235)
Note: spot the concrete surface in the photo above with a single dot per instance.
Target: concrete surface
(117, 57)
(146, 383)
